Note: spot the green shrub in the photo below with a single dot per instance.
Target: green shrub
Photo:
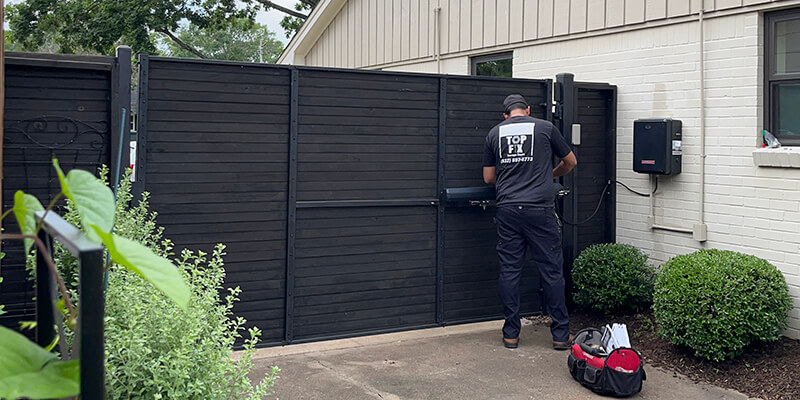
(718, 302)
(611, 277)
(156, 350)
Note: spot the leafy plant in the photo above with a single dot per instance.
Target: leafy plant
(291, 24)
(28, 373)
(156, 350)
(718, 302)
(27, 370)
(611, 276)
(75, 25)
(243, 40)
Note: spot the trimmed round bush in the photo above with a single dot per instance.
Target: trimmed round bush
(612, 277)
(717, 302)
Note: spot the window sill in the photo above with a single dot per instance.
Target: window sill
(781, 157)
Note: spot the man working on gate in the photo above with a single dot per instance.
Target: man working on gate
(518, 159)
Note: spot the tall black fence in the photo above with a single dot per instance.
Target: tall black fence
(57, 106)
(325, 186)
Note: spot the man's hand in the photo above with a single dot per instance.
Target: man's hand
(564, 167)
(490, 175)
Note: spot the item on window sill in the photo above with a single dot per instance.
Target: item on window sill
(770, 140)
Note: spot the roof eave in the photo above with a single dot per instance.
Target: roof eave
(305, 38)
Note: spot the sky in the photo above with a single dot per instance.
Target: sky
(271, 18)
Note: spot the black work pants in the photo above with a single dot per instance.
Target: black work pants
(520, 226)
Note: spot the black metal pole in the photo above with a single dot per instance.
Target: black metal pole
(291, 207)
(440, 209)
(45, 295)
(139, 185)
(568, 113)
(91, 340)
(122, 150)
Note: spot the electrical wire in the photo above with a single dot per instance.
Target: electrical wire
(639, 193)
(596, 209)
(600, 202)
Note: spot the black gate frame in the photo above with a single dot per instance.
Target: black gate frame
(567, 102)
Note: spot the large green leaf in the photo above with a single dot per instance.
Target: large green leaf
(27, 370)
(156, 269)
(93, 199)
(25, 206)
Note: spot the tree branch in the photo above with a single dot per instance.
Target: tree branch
(309, 2)
(182, 44)
(283, 9)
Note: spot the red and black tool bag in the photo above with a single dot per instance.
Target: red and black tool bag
(619, 374)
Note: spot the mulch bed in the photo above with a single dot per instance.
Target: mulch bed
(766, 370)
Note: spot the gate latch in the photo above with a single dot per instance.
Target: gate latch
(480, 203)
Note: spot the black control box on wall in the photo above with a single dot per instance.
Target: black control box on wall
(657, 146)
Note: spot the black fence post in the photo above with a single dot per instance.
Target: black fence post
(440, 208)
(548, 102)
(91, 336)
(567, 115)
(120, 129)
(45, 295)
(141, 129)
(291, 207)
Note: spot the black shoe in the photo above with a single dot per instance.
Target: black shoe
(511, 343)
(561, 346)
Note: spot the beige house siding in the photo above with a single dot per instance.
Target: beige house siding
(375, 33)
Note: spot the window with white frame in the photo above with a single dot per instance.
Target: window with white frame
(782, 75)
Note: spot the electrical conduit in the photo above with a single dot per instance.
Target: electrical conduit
(699, 231)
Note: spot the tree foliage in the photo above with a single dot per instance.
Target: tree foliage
(81, 25)
(243, 40)
(293, 24)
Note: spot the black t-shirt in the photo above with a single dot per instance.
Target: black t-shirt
(522, 149)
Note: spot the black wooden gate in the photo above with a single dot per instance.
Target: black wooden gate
(68, 107)
(469, 259)
(325, 186)
(586, 115)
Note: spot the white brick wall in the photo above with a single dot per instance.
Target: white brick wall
(749, 209)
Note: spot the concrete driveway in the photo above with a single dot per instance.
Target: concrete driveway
(457, 362)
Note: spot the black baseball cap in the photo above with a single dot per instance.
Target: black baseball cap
(514, 100)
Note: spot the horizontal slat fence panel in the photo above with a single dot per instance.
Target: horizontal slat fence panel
(471, 266)
(593, 111)
(356, 269)
(370, 162)
(53, 108)
(216, 163)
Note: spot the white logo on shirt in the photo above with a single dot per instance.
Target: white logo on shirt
(516, 143)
